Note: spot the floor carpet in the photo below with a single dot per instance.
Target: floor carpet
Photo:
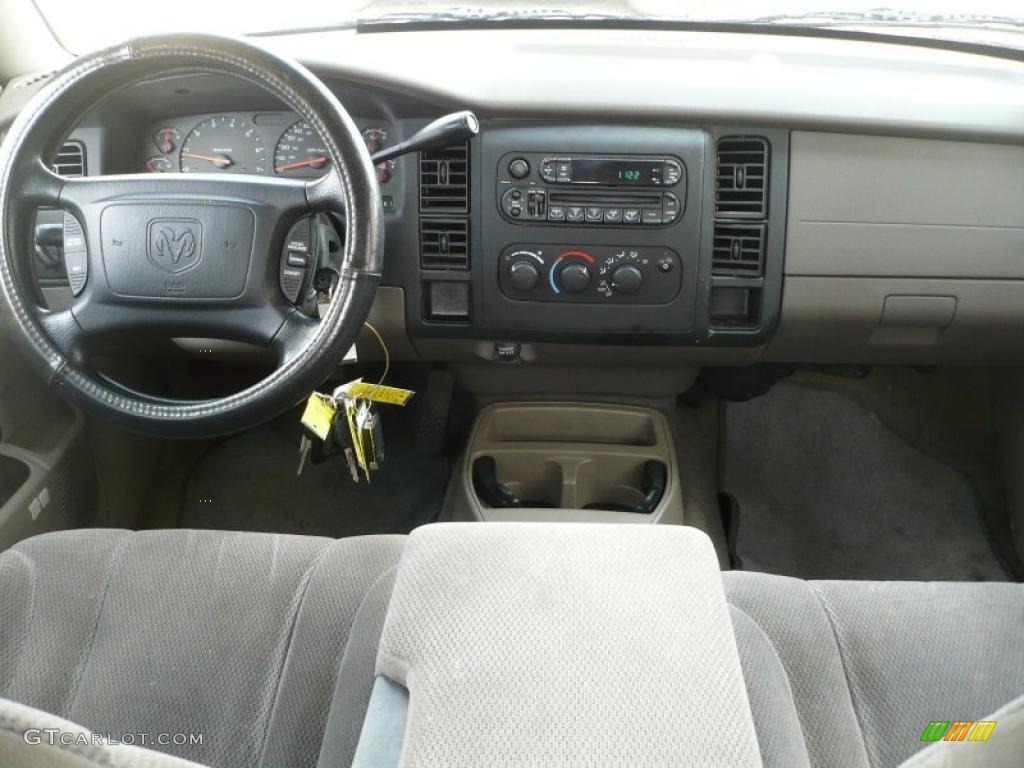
(248, 483)
(824, 490)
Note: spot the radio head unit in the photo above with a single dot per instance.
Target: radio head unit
(592, 190)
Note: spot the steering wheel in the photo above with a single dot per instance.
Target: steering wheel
(184, 255)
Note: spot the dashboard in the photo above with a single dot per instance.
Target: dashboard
(761, 199)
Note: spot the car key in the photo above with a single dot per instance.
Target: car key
(304, 446)
(342, 437)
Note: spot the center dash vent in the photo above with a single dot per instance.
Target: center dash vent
(444, 180)
(738, 250)
(71, 159)
(741, 175)
(444, 244)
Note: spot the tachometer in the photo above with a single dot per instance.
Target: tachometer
(226, 144)
(300, 152)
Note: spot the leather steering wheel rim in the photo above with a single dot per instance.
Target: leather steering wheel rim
(308, 351)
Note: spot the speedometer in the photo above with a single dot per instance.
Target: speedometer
(300, 152)
(225, 144)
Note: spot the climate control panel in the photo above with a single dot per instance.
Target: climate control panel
(590, 274)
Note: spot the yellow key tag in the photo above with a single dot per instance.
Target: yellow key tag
(379, 393)
(318, 415)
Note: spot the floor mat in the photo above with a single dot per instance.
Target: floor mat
(826, 491)
(248, 483)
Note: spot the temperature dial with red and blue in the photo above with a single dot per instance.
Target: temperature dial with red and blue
(592, 274)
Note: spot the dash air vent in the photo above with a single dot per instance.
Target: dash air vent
(738, 250)
(444, 244)
(741, 177)
(71, 159)
(444, 180)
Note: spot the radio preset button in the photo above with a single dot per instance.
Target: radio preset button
(556, 213)
(595, 215)
(612, 215)
(574, 213)
(631, 215)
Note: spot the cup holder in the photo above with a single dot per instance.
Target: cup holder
(615, 486)
(568, 461)
(608, 482)
(525, 481)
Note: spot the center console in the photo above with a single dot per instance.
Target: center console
(610, 233)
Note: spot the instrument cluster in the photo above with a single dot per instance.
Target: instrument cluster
(261, 143)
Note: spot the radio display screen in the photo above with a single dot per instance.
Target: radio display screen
(617, 173)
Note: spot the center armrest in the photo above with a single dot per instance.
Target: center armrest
(545, 644)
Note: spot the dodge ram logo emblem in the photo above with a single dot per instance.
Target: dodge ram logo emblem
(175, 245)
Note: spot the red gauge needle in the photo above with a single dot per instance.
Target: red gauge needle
(219, 160)
(300, 164)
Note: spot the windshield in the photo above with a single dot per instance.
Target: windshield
(81, 25)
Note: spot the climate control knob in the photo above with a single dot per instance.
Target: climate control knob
(523, 275)
(574, 278)
(627, 279)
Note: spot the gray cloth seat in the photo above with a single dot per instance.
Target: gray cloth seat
(266, 645)
(243, 638)
(849, 673)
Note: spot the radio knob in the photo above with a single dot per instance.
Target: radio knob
(574, 278)
(627, 279)
(519, 168)
(523, 276)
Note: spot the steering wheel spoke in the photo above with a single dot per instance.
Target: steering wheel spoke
(65, 332)
(40, 186)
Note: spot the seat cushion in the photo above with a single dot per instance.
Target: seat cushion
(234, 636)
(847, 673)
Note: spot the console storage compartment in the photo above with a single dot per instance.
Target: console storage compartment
(573, 645)
(568, 462)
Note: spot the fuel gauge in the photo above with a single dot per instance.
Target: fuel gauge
(167, 140)
(158, 164)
